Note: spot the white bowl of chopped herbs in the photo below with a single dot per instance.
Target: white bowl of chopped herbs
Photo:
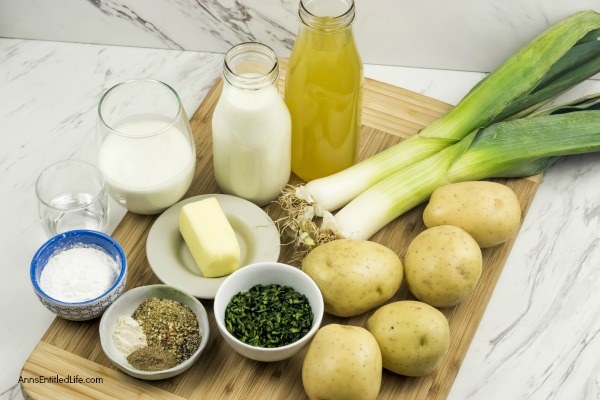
(268, 311)
(154, 332)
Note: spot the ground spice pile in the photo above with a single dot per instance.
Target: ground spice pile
(172, 333)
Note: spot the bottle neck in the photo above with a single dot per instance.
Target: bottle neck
(327, 15)
(251, 66)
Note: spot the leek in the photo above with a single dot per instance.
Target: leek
(379, 205)
(507, 149)
(580, 62)
(559, 58)
(516, 77)
(496, 150)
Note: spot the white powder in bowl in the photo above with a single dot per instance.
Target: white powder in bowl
(78, 274)
(128, 335)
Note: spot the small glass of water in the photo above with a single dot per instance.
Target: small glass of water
(71, 195)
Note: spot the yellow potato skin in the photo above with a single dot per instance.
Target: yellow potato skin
(354, 276)
(413, 337)
(488, 211)
(442, 265)
(342, 363)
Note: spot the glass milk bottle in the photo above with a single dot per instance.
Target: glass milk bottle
(146, 150)
(251, 126)
(324, 90)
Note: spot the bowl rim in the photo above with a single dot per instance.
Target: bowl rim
(82, 233)
(317, 319)
(181, 366)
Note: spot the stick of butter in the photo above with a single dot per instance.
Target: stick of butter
(210, 238)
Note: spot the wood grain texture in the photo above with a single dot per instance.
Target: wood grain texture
(389, 114)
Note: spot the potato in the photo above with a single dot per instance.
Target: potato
(342, 362)
(354, 275)
(442, 265)
(488, 211)
(413, 337)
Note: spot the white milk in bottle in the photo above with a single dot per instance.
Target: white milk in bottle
(251, 127)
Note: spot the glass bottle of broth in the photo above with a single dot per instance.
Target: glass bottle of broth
(324, 90)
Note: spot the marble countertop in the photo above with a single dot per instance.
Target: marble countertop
(540, 335)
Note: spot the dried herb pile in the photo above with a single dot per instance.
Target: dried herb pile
(269, 316)
(172, 333)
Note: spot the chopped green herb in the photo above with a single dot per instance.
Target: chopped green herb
(269, 316)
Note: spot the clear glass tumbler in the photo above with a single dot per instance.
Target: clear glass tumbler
(146, 150)
(71, 195)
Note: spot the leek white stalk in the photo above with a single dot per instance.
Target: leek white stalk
(335, 191)
(395, 195)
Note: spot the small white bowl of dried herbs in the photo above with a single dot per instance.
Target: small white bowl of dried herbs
(154, 332)
(268, 311)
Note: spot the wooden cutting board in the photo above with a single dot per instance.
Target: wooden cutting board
(390, 114)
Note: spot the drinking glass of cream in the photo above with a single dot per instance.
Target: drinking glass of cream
(251, 126)
(146, 150)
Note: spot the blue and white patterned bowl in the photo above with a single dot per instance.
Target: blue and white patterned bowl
(84, 310)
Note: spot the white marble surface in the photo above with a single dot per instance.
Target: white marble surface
(471, 35)
(540, 335)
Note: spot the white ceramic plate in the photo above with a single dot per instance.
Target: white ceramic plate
(172, 262)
